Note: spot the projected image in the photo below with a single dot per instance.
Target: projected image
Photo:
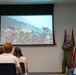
(32, 29)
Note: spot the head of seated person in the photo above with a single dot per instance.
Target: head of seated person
(17, 52)
(7, 47)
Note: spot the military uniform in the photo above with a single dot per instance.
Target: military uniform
(67, 58)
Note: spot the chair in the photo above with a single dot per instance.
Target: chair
(7, 69)
(22, 65)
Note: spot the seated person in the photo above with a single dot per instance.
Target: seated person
(73, 70)
(19, 55)
(1, 50)
(7, 57)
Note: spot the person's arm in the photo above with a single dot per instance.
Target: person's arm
(18, 66)
(63, 46)
(67, 46)
(26, 66)
(19, 70)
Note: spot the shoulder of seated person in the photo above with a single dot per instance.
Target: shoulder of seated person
(23, 57)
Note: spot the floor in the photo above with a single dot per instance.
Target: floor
(46, 74)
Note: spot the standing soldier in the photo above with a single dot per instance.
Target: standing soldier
(67, 58)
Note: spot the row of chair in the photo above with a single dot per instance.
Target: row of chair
(10, 68)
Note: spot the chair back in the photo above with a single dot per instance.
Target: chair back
(22, 65)
(7, 69)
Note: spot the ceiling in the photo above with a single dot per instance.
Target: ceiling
(35, 1)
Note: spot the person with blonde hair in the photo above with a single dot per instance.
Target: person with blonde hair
(7, 57)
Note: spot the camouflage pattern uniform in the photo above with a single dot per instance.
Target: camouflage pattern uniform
(67, 56)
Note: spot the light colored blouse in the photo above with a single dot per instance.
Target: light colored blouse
(24, 60)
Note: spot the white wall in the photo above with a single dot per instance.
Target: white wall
(49, 59)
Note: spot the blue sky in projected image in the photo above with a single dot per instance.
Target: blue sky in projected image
(36, 20)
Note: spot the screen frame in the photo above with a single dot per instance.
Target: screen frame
(36, 7)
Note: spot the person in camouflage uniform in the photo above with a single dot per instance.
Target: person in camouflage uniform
(67, 56)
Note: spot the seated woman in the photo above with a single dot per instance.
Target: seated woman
(7, 57)
(19, 55)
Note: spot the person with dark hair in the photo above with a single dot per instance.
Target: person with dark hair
(7, 57)
(19, 55)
